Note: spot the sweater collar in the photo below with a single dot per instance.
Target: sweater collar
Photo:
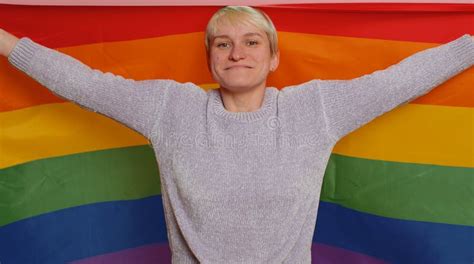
(246, 117)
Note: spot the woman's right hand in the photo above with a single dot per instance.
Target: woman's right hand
(7, 42)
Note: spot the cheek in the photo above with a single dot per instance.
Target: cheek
(265, 60)
(214, 67)
(216, 57)
(216, 62)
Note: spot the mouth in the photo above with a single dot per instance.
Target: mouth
(238, 67)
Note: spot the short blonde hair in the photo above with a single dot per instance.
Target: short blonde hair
(253, 16)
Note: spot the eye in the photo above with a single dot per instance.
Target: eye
(223, 45)
(252, 43)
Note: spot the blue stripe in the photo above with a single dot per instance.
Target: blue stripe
(95, 229)
(83, 231)
(393, 240)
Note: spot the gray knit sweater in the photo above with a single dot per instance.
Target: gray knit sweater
(242, 187)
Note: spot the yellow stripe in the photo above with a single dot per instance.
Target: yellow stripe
(209, 86)
(53, 130)
(412, 133)
(426, 134)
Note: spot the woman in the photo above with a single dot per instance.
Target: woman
(241, 167)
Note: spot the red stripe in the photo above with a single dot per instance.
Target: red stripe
(419, 26)
(383, 7)
(60, 26)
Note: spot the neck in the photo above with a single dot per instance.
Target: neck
(249, 101)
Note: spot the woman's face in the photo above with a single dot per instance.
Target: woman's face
(240, 58)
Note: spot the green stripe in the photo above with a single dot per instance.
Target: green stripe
(51, 184)
(401, 190)
(397, 190)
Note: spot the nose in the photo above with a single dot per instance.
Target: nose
(237, 53)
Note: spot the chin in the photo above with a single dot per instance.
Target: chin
(238, 86)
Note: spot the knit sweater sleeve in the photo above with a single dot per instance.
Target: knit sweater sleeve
(349, 104)
(136, 104)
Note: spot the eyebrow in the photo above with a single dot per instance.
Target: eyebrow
(250, 34)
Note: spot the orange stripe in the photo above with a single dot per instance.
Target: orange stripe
(308, 56)
(182, 58)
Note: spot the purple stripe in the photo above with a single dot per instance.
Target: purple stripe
(160, 253)
(324, 254)
(149, 254)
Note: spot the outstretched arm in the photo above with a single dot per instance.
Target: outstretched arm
(7, 42)
(349, 104)
(134, 103)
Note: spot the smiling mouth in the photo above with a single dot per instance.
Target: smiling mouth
(238, 66)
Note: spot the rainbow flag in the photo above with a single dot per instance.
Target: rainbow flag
(78, 187)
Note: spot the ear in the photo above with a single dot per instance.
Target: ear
(275, 61)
